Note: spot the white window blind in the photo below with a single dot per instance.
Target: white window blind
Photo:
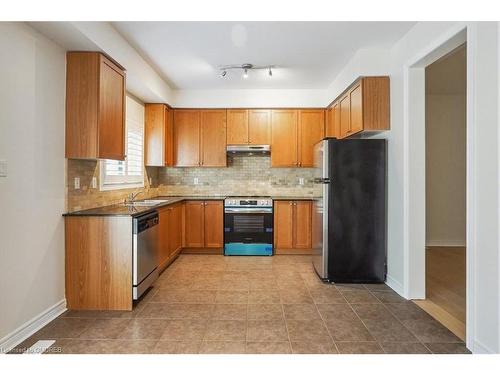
(117, 174)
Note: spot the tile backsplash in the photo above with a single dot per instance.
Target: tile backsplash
(244, 175)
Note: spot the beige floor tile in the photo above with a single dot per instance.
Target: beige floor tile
(230, 312)
(307, 330)
(388, 296)
(262, 284)
(342, 312)
(223, 347)
(267, 347)
(185, 296)
(348, 331)
(184, 330)
(265, 312)
(177, 347)
(226, 330)
(404, 348)
(151, 329)
(314, 347)
(430, 331)
(448, 348)
(389, 330)
(264, 296)
(295, 296)
(65, 328)
(301, 311)
(194, 311)
(105, 329)
(231, 296)
(326, 295)
(372, 311)
(359, 348)
(361, 296)
(75, 346)
(127, 346)
(266, 330)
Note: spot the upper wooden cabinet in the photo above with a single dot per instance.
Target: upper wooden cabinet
(293, 135)
(332, 128)
(364, 106)
(200, 138)
(248, 126)
(95, 107)
(158, 135)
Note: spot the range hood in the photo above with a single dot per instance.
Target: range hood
(249, 149)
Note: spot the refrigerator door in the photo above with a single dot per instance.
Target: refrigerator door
(320, 210)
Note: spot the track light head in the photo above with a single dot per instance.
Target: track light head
(270, 72)
(245, 73)
(223, 73)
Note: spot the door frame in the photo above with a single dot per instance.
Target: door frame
(414, 231)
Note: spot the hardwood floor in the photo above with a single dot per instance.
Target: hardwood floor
(445, 287)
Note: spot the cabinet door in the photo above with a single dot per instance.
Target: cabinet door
(111, 111)
(259, 126)
(214, 224)
(356, 110)
(194, 224)
(175, 229)
(163, 237)
(302, 225)
(284, 138)
(345, 116)
(283, 224)
(311, 131)
(169, 137)
(336, 120)
(154, 135)
(213, 138)
(186, 138)
(329, 128)
(237, 126)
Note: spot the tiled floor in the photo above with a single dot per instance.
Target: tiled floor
(216, 304)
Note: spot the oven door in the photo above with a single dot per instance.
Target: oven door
(248, 231)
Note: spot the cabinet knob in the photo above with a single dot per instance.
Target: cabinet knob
(291, 203)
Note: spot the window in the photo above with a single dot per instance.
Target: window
(126, 174)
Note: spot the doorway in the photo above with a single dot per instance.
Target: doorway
(445, 189)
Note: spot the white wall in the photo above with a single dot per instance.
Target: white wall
(32, 75)
(253, 98)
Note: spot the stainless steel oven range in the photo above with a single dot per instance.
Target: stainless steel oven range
(248, 226)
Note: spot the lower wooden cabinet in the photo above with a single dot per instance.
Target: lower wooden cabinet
(170, 237)
(203, 224)
(292, 227)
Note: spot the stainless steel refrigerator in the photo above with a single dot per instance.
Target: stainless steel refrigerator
(349, 216)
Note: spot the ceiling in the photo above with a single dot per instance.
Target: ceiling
(308, 55)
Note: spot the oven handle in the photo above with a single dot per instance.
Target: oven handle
(249, 210)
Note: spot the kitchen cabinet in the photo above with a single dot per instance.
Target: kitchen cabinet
(363, 107)
(332, 128)
(293, 135)
(248, 126)
(292, 227)
(200, 138)
(95, 107)
(170, 234)
(311, 130)
(203, 224)
(213, 138)
(158, 135)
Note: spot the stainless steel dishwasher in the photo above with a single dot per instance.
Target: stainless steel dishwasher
(145, 250)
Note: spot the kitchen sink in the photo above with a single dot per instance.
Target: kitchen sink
(146, 202)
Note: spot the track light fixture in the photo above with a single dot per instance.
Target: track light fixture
(245, 68)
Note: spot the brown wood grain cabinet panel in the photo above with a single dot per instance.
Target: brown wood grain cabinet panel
(194, 224)
(95, 107)
(169, 137)
(164, 237)
(284, 140)
(356, 119)
(259, 126)
(187, 138)
(376, 103)
(175, 229)
(302, 225)
(345, 115)
(329, 123)
(98, 263)
(214, 224)
(213, 138)
(111, 111)
(336, 120)
(237, 126)
(311, 131)
(154, 134)
(283, 224)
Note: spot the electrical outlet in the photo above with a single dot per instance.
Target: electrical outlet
(94, 183)
(195, 180)
(301, 181)
(3, 168)
(77, 183)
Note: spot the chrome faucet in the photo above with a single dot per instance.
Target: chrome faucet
(131, 197)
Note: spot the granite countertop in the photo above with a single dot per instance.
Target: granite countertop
(123, 210)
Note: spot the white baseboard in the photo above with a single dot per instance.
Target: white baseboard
(445, 243)
(479, 348)
(395, 285)
(29, 328)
